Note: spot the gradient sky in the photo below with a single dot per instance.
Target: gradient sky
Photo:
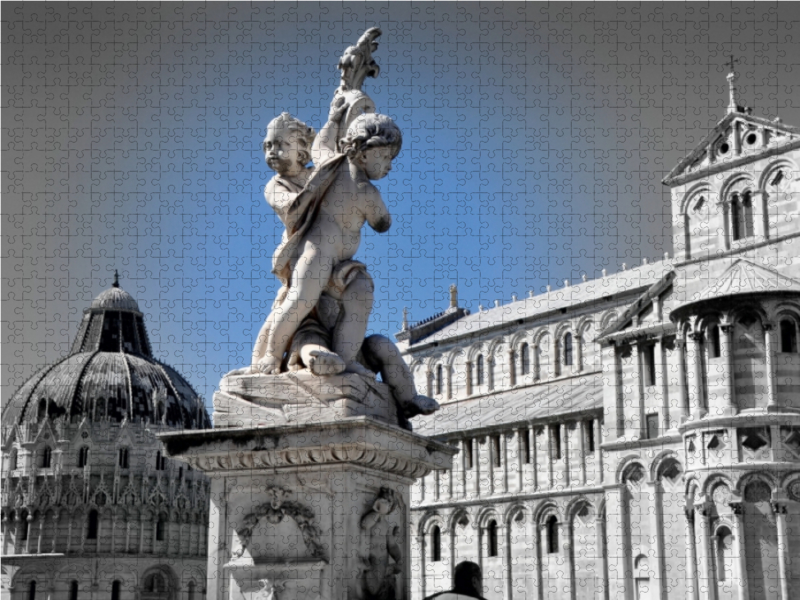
(535, 140)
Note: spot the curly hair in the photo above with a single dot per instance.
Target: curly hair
(371, 130)
(305, 133)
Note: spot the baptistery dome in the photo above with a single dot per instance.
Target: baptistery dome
(109, 375)
(90, 505)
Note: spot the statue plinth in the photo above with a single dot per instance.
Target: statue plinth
(309, 510)
(300, 397)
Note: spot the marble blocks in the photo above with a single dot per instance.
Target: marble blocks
(318, 509)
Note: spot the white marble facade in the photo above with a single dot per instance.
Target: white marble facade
(635, 436)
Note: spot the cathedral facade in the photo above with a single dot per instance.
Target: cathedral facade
(91, 509)
(635, 436)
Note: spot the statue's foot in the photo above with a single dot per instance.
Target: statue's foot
(359, 369)
(267, 366)
(424, 404)
(325, 363)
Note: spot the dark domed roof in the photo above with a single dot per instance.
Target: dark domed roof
(110, 374)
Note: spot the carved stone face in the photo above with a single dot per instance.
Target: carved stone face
(376, 162)
(283, 151)
(382, 506)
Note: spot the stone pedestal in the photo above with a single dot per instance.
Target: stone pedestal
(312, 510)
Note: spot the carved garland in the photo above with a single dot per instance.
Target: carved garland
(274, 511)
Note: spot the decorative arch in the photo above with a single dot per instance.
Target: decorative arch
(518, 338)
(768, 173)
(625, 463)
(563, 328)
(748, 478)
(428, 521)
(692, 193)
(607, 319)
(540, 334)
(513, 510)
(474, 350)
(545, 510)
(493, 344)
(734, 183)
(575, 505)
(485, 515)
(660, 460)
(457, 518)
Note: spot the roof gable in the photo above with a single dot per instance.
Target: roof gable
(739, 137)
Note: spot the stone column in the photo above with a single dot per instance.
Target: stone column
(600, 542)
(661, 382)
(598, 454)
(476, 465)
(612, 392)
(56, 520)
(512, 367)
(27, 526)
(581, 432)
(69, 532)
(565, 474)
(521, 457)
(657, 536)
(504, 454)
(555, 359)
(418, 561)
(617, 544)
(708, 585)
(490, 372)
(429, 382)
(741, 554)
(691, 555)
(784, 556)
(680, 348)
(760, 215)
(578, 353)
(469, 378)
(639, 361)
(769, 343)
(550, 452)
(41, 534)
(695, 360)
(726, 349)
(449, 382)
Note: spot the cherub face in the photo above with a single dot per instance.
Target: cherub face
(282, 151)
(376, 162)
(382, 506)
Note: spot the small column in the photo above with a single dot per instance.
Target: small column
(142, 520)
(534, 457)
(694, 352)
(726, 349)
(612, 392)
(708, 586)
(449, 382)
(639, 362)
(69, 532)
(680, 348)
(741, 555)
(41, 534)
(565, 477)
(769, 343)
(618, 550)
(760, 215)
(600, 542)
(469, 378)
(657, 541)
(784, 556)
(128, 534)
(512, 367)
(554, 358)
(578, 353)
(691, 555)
(56, 519)
(113, 531)
(490, 374)
(581, 432)
(429, 382)
(598, 454)
(504, 459)
(550, 452)
(27, 526)
(521, 457)
(662, 383)
(464, 468)
(476, 465)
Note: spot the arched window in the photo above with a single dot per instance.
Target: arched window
(123, 458)
(99, 409)
(190, 591)
(552, 534)
(154, 583)
(714, 348)
(525, 359)
(723, 543)
(45, 457)
(73, 590)
(23, 531)
(115, 590)
(41, 413)
(479, 369)
(741, 216)
(568, 350)
(91, 525)
(439, 379)
(83, 456)
(160, 525)
(32, 591)
(436, 544)
(491, 538)
(788, 336)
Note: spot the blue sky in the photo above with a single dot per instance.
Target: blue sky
(535, 139)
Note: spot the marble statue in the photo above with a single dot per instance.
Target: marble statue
(319, 317)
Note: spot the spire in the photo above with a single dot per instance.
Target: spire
(453, 296)
(733, 103)
(116, 279)
(405, 320)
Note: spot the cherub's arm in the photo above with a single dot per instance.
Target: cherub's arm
(324, 146)
(376, 213)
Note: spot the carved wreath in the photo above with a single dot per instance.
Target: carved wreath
(274, 511)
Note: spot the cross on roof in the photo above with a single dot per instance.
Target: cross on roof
(733, 62)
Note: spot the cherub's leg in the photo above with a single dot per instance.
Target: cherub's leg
(383, 355)
(309, 278)
(348, 335)
(315, 354)
(260, 347)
